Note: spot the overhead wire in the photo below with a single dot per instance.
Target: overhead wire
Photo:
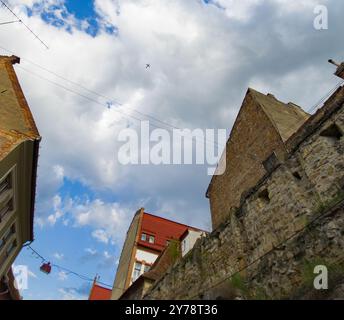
(197, 138)
(318, 217)
(68, 271)
(8, 22)
(4, 4)
(108, 99)
(112, 101)
(318, 104)
(80, 94)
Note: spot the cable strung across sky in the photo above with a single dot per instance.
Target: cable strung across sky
(9, 22)
(68, 271)
(4, 4)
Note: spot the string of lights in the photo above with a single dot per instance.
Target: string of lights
(66, 270)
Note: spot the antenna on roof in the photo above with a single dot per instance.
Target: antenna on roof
(340, 68)
(334, 62)
(96, 278)
(4, 4)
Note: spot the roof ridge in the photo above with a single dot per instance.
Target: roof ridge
(280, 114)
(182, 224)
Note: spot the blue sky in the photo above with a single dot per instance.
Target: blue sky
(203, 56)
(82, 9)
(73, 249)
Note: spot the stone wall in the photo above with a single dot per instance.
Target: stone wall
(257, 132)
(291, 220)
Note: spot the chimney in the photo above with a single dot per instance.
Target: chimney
(340, 68)
(271, 96)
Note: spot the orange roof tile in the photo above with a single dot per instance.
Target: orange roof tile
(162, 229)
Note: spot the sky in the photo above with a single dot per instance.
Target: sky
(203, 56)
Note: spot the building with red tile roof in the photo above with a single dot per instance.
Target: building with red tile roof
(147, 237)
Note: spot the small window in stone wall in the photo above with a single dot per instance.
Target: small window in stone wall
(297, 175)
(270, 163)
(333, 131)
(264, 196)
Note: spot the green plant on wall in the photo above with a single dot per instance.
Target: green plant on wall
(174, 250)
(239, 283)
(258, 294)
(324, 206)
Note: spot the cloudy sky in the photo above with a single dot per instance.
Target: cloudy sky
(93, 81)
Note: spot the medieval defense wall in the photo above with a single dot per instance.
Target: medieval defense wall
(261, 127)
(290, 221)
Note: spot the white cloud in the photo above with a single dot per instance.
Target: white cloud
(244, 9)
(91, 251)
(31, 274)
(109, 220)
(101, 235)
(71, 294)
(107, 255)
(62, 276)
(52, 218)
(105, 259)
(58, 256)
(203, 59)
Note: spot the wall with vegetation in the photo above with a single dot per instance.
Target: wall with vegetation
(292, 220)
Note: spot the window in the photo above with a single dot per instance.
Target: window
(183, 245)
(6, 209)
(9, 233)
(264, 196)
(4, 254)
(146, 267)
(5, 184)
(137, 270)
(271, 163)
(333, 132)
(3, 259)
(11, 247)
(146, 237)
(297, 175)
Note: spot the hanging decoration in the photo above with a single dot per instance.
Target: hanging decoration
(46, 268)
